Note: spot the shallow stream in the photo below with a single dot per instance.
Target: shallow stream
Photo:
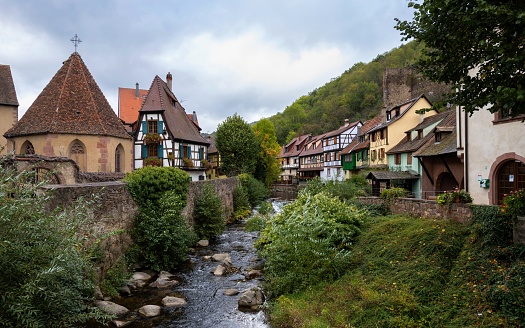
(207, 306)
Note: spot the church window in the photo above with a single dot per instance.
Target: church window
(77, 152)
(28, 149)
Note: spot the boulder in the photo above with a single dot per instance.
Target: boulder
(150, 310)
(231, 292)
(220, 270)
(252, 299)
(253, 274)
(111, 308)
(164, 280)
(203, 243)
(141, 276)
(171, 301)
(221, 257)
(121, 323)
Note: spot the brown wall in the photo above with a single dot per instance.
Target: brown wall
(8, 118)
(435, 167)
(116, 210)
(100, 150)
(425, 208)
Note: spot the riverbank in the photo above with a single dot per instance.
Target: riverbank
(408, 272)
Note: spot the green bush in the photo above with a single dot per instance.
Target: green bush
(255, 189)
(208, 213)
(356, 186)
(241, 204)
(308, 242)
(266, 208)
(47, 277)
(148, 184)
(162, 236)
(115, 277)
(390, 194)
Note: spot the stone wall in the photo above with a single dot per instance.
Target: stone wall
(425, 208)
(223, 187)
(284, 192)
(402, 84)
(109, 222)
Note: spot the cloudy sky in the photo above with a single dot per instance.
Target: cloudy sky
(251, 57)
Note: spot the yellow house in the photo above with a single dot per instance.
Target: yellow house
(72, 118)
(395, 122)
(8, 105)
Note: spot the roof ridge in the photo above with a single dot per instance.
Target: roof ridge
(60, 97)
(97, 113)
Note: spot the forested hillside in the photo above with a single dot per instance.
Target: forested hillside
(357, 95)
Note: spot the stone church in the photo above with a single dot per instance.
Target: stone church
(72, 118)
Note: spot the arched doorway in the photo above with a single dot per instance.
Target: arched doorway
(77, 152)
(510, 177)
(446, 182)
(119, 159)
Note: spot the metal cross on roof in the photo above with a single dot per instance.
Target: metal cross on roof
(75, 41)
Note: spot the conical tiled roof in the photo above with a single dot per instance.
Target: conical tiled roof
(71, 103)
(161, 99)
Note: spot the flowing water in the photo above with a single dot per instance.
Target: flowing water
(207, 306)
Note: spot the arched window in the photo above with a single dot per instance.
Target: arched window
(119, 158)
(77, 152)
(27, 148)
(510, 177)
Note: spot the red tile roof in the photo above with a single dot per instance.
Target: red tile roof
(161, 99)
(7, 87)
(71, 103)
(129, 104)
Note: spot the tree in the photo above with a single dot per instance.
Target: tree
(267, 166)
(237, 145)
(476, 46)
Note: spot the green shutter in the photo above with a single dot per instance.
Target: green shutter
(160, 125)
(144, 151)
(144, 127)
(201, 153)
(161, 148)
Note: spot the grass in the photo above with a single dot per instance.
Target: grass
(410, 272)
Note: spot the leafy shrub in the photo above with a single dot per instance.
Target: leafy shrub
(454, 196)
(256, 222)
(308, 242)
(255, 189)
(266, 208)
(390, 194)
(356, 186)
(514, 203)
(148, 184)
(47, 277)
(116, 277)
(241, 204)
(162, 236)
(208, 213)
(373, 209)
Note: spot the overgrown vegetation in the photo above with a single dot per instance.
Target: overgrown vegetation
(47, 277)
(308, 242)
(348, 189)
(407, 272)
(390, 194)
(162, 236)
(208, 213)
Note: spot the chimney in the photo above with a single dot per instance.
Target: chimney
(137, 89)
(347, 122)
(194, 117)
(168, 81)
(383, 114)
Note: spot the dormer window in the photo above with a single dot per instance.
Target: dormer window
(420, 134)
(409, 136)
(438, 137)
(297, 148)
(397, 112)
(388, 116)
